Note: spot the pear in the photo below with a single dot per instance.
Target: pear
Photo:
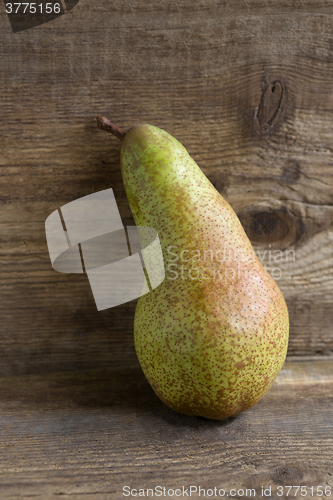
(213, 336)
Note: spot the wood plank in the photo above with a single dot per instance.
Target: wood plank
(203, 71)
(91, 433)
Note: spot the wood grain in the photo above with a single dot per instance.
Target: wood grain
(203, 71)
(88, 434)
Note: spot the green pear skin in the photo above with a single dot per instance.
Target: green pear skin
(211, 338)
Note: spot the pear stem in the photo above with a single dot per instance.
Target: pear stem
(105, 124)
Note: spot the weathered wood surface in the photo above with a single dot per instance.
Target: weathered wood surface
(247, 87)
(88, 434)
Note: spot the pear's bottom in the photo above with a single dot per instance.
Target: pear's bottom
(208, 370)
(216, 411)
(206, 397)
(211, 394)
(205, 413)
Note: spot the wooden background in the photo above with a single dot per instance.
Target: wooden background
(247, 87)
